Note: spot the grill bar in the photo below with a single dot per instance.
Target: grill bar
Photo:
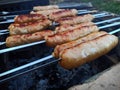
(33, 63)
(115, 31)
(74, 5)
(1, 31)
(6, 13)
(2, 43)
(7, 21)
(110, 25)
(20, 47)
(4, 33)
(9, 16)
(109, 20)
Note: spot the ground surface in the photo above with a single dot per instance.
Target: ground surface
(107, 5)
(109, 80)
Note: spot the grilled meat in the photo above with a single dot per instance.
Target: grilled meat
(46, 12)
(76, 19)
(63, 13)
(28, 17)
(41, 8)
(67, 27)
(16, 40)
(29, 27)
(87, 51)
(68, 36)
(60, 48)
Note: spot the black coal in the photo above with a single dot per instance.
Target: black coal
(51, 76)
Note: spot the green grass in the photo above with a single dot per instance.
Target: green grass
(106, 5)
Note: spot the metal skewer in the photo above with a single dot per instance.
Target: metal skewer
(43, 41)
(80, 11)
(6, 30)
(12, 16)
(4, 33)
(108, 21)
(109, 25)
(97, 23)
(96, 16)
(84, 12)
(19, 47)
(37, 62)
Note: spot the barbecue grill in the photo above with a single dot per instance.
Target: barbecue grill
(31, 66)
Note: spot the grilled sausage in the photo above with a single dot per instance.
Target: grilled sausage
(29, 27)
(16, 40)
(41, 8)
(76, 19)
(28, 18)
(63, 13)
(87, 51)
(67, 27)
(60, 48)
(46, 12)
(68, 36)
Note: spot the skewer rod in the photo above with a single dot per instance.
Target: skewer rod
(43, 41)
(1, 31)
(26, 65)
(96, 16)
(97, 23)
(115, 31)
(19, 47)
(110, 25)
(109, 20)
(37, 61)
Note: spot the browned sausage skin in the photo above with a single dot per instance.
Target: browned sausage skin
(60, 48)
(42, 8)
(29, 27)
(46, 12)
(87, 51)
(75, 19)
(69, 35)
(16, 40)
(67, 27)
(63, 13)
(28, 17)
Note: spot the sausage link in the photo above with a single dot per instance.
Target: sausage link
(87, 51)
(16, 40)
(67, 27)
(28, 17)
(71, 35)
(63, 13)
(60, 48)
(42, 8)
(29, 27)
(76, 19)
